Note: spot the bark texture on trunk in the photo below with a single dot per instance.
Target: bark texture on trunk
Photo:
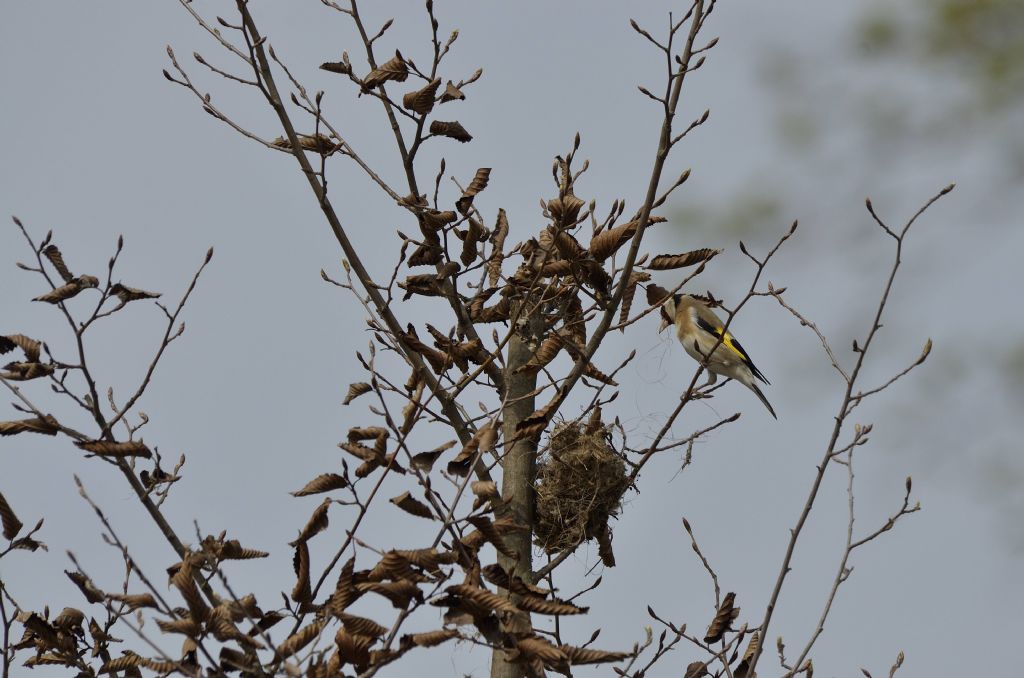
(519, 467)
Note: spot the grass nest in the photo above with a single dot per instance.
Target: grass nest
(580, 483)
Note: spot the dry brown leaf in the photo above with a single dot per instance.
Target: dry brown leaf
(184, 581)
(126, 294)
(428, 559)
(492, 314)
(748, 655)
(593, 273)
(483, 598)
(325, 482)
(317, 143)
(301, 592)
(482, 440)
(477, 185)
(85, 585)
(451, 93)
(299, 640)
(412, 505)
(69, 619)
(233, 550)
(566, 209)
(129, 660)
(185, 626)
(393, 565)
(451, 129)
(28, 345)
(398, 592)
(606, 243)
(497, 254)
(233, 659)
(422, 100)
(486, 531)
(427, 254)
(696, 670)
(46, 426)
(474, 234)
(361, 451)
(591, 371)
(434, 220)
(556, 268)
(551, 607)
(586, 655)
(567, 245)
(635, 278)
(424, 284)
(12, 526)
(353, 648)
(497, 575)
(723, 619)
(136, 600)
(53, 254)
(536, 648)
(395, 69)
(485, 489)
(438, 361)
(342, 67)
(656, 294)
(536, 422)
(344, 591)
(427, 639)
(25, 371)
(604, 546)
(111, 448)
(664, 262)
(424, 461)
(448, 270)
(361, 626)
(316, 524)
(69, 290)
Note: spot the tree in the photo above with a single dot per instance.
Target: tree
(563, 463)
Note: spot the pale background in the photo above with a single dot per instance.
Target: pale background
(814, 106)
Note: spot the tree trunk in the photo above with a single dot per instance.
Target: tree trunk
(519, 468)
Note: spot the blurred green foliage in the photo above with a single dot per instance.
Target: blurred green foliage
(983, 40)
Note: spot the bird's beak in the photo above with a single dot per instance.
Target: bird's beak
(664, 323)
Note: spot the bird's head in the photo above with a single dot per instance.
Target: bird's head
(668, 312)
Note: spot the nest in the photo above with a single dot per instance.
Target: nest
(580, 483)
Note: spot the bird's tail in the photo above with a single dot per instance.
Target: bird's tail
(757, 391)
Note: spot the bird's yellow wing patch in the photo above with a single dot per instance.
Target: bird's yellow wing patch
(730, 343)
(728, 340)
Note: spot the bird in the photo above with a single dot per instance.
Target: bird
(703, 336)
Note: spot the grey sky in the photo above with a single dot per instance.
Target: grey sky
(97, 143)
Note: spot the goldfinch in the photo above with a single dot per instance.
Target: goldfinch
(699, 330)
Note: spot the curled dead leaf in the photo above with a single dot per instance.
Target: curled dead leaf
(422, 100)
(727, 612)
(452, 129)
(53, 254)
(325, 482)
(110, 448)
(412, 505)
(451, 93)
(299, 639)
(394, 69)
(126, 294)
(11, 525)
(69, 290)
(28, 345)
(664, 262)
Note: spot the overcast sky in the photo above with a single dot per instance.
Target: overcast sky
(97, 143)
